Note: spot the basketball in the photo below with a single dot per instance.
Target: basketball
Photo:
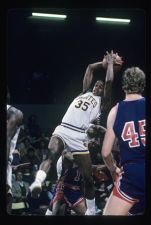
(117, 63)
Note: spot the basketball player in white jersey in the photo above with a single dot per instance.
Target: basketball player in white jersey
(71, 133)
(14, 121)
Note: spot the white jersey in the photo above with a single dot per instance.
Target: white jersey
(82, 111)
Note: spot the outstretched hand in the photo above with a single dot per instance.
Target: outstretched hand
(112, 58)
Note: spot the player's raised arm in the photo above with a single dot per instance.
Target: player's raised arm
(14, 120)
(87, 80)
(112, 62)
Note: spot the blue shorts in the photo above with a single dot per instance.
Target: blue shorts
(72, 197)
(130, 185)
(138, 208)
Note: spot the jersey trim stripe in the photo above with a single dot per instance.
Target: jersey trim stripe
(72, 127)
(119, 193)
(76, 203)
(73, 187)
(82, 152)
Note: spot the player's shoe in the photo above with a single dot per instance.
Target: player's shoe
(90, 212)
(35, 189)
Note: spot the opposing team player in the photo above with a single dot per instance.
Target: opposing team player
(69, 187)
(127, 122)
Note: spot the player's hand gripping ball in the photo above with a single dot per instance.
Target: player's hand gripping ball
(118, 62)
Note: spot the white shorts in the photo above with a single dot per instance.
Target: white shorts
(75, 141)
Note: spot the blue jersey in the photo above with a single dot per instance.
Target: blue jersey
(72, 180)
(72, 177)
(129, 127)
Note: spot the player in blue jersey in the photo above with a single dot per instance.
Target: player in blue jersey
(72, 191)
(69, 187)
(127, 122)
(138, 208)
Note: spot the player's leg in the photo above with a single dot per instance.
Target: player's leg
(14, 120)
(49, 209)
(57, 203)
(117, 206)
(9, 199)
(80, 208)
(55, 146)
(128, 190)
(85, 166)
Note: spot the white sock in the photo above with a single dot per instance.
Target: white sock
(40, 176)
(90, 204)
(48, 212)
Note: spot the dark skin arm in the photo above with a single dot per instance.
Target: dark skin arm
(108, 82)
(14, 120)
(111, 59)
(95, 130)
(87, 80)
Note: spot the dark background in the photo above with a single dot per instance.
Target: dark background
(46, 59)
(62, 50)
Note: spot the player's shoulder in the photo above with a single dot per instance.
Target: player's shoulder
(14, 113)
(12, 108)
(89, 91)
(16, 110)
(114, 109)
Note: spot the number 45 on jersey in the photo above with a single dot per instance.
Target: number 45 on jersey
(129, 133)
